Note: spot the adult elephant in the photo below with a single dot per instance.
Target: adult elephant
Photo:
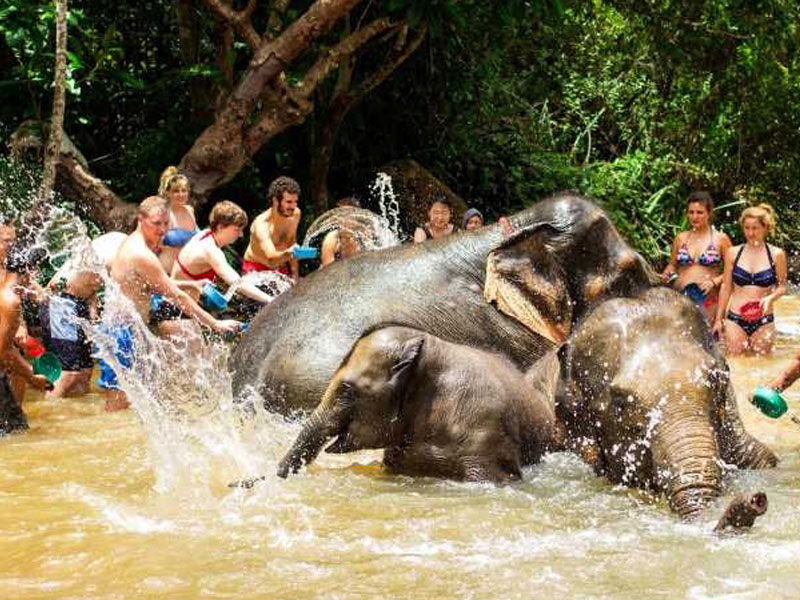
(514, 289)
(648, 401)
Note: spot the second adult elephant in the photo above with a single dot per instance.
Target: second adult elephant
(515, 291)
(439, 409)
(647, 400)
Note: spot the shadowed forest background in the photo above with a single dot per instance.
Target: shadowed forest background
(633, 103)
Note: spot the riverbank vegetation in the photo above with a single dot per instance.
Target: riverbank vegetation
(633, 103)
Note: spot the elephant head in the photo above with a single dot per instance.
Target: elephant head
(648, 400)
(362, 403)
(657, 425)
(559, 258)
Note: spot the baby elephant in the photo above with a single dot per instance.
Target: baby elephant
(439, 409)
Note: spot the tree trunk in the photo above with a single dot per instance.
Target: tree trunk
(202, 89)
(227, 145)
(344, 100)
(94, 198)
(53, 149)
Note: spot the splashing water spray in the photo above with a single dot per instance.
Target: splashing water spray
(387, 201)
(179, 387)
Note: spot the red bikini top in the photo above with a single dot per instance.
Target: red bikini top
(210, 274)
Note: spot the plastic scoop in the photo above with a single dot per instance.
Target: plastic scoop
(770, 402)
(48, 365)
(305, 252)
(34, 348)
(751, 311)
(177, 238)
(695, 293)
(213, 299)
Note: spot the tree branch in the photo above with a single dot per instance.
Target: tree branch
(341, 52)
(239, 19)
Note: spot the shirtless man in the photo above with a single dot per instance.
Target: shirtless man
(74, 299)
(273, 234)
(13, 282)
(139, 274)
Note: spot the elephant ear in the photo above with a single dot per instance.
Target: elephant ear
(525, 282)
(409, 354)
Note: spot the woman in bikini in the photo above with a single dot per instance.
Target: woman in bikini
(754, 278)
(695, 264)
(174, 187)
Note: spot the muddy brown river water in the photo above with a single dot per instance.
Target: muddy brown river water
(92, 506)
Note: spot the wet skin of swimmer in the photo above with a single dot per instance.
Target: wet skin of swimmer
(754, 279)
(696, 260)
(273, 233)
(174, 187)
(13, 285)
(139, 274)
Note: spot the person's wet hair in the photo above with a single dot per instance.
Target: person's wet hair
(348, 201)
(702, 198)
(283, 185)
(169, 179)
(153, 204)
(227, 213)
(441, 200)
(764, 213)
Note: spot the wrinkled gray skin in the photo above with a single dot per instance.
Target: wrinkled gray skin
(439, 409)
(742, 512)
(513, 292)
(647, 400)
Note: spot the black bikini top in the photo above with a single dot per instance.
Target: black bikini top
(766, 278)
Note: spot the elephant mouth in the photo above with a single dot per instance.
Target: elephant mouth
(342, 444)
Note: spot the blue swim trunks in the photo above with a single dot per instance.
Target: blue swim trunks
(123, 352)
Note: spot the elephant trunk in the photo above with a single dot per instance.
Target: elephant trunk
(742, 512)
(317, 429)
(685, 455)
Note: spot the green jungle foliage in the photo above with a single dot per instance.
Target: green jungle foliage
(635, 103)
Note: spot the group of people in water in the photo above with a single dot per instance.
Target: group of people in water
(165, 266)
(735, 286)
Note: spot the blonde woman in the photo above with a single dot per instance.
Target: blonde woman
(754, 278)
(174, 188)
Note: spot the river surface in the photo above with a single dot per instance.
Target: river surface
(96, 505)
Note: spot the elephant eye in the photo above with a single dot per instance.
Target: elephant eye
(346, 392)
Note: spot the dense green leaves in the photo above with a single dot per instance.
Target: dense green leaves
(635, 102)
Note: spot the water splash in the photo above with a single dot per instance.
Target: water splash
(367, 230)
(387, 202)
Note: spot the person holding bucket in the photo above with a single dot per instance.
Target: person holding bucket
(18, 265)
(202, 259)
(754, 279)
(696, 262)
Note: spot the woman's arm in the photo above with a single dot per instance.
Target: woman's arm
(672, 265)
(724, 246)
(329, 247)
(768, 302)
(217, 261)
(726, 289)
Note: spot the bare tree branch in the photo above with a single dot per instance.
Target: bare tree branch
(53, 147)
(342, 51)
(239, 19)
